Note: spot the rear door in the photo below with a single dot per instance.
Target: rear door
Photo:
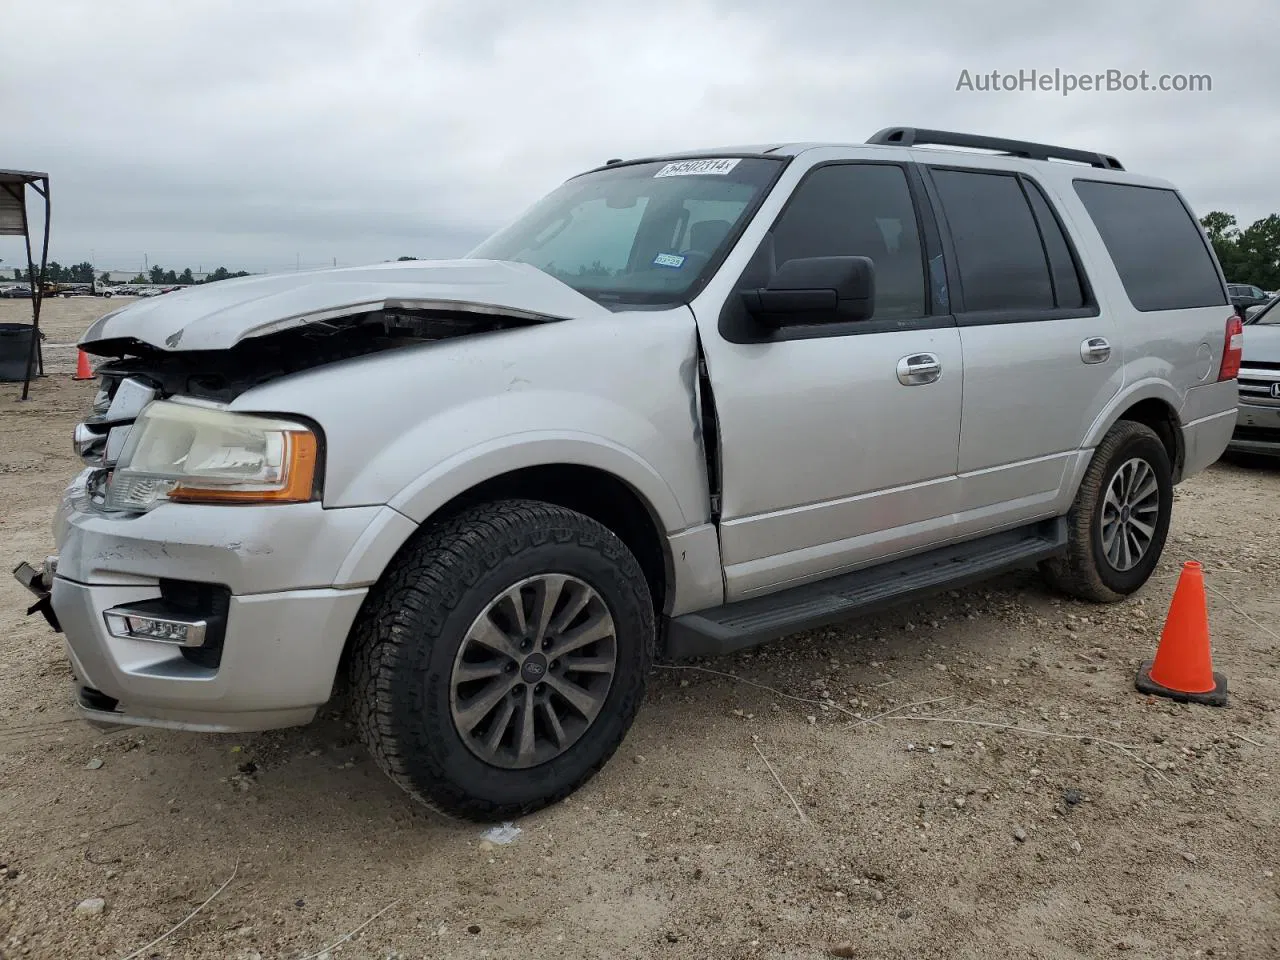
(1042, 358)
(837, 440)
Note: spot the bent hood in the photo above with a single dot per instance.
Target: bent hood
(220, 315)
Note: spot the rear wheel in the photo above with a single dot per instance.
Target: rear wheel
(502, 658)
(1119, 521)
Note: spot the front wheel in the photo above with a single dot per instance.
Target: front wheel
(1120, 518)
(502, 658)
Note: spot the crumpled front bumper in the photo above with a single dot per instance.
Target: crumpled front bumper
(277, 586)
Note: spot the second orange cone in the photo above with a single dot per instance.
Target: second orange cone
(1183, 666)
(83, 370)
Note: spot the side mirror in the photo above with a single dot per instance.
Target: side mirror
(816, 290)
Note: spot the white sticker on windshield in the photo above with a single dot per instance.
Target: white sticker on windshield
(668, 260)
(689, 168)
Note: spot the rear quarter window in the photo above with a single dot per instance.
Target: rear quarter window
(1156, 245)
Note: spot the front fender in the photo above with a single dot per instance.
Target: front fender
(420, 499)
(411, 429)
(516, 451)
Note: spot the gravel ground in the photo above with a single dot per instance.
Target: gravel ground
(758, 815)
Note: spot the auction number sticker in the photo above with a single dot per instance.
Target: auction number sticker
(689, 168)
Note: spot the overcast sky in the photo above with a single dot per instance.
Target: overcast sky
(255, 135)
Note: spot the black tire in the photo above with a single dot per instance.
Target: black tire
(1084, 571)
(416, 618)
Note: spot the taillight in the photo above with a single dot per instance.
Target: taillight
(1232, 349)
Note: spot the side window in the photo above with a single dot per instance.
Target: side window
(998, 248)
(1159, 250)
(1067, 289)
(859, 210)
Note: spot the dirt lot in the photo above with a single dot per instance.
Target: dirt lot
(1107, 824)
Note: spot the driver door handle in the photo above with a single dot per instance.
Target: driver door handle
(918, 369)
(1095, 350)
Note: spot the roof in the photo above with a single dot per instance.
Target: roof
(13, 183)
(892, 139)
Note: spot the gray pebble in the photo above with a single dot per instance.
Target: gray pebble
(92, 907)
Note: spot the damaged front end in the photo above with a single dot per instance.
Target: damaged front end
(141, 373)
(222, 375)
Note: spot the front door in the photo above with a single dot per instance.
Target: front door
(838, 441)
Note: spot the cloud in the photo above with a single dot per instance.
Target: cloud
(259, 135)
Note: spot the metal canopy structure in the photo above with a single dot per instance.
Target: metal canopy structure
(14, 223)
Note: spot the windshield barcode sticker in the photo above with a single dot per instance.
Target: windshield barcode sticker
(688, 168)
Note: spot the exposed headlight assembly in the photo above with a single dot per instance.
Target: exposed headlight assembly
(193, 454)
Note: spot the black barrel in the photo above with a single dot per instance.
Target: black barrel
(15, 347)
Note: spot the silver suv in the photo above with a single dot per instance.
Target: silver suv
(683, 405)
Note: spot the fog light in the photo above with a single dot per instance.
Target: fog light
(131, 624)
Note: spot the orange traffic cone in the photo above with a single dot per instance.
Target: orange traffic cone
(1183, 669)
(83, 370)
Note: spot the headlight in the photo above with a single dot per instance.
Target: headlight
(192, 454)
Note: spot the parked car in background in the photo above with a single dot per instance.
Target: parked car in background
(1258, 416)
(685, 405)
(1246, 295)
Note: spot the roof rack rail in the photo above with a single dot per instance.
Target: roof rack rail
(914, 136)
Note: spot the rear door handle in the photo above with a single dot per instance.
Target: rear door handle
(919, 368)
(1095, 350)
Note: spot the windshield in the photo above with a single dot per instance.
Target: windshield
(643, 233)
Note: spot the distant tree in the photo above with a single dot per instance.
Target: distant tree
(17, 274)
(1251, 255)
(157, 274)
(80, 273)
(139, 279)
(401, 259)
(1260, 244)
(54, 272)
(105, 278)
(170, 277)
(1218, 225)
(186, 277)
(223, 274)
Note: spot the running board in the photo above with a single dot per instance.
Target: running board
(746, 623)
